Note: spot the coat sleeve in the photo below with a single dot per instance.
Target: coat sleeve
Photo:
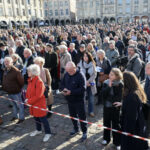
(115, 58)
(137, 66)
(39, 92)
(93, 76)
(20, 79)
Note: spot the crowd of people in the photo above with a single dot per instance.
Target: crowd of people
(81, 62)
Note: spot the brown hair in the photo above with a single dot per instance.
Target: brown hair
(117, 73)
(90, 58)
(132, 85)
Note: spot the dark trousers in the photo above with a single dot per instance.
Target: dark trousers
(55, 80)
(77, 110)
(111, 120)
(42, 120)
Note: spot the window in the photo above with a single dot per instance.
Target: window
(23, 12)
(128, 2)
(51, 13)
(50, 4)
(34, 3)
(29, 11)
(55, 3)
(8, 1)
(22, 2)
(119, 2)
(17, 11)
(34, 12)
(120, 10)
(145, 9)
(0, 1)
(97, 3)
(145, 1)
(91, 4)
(136, 1)
(28, 2)
(16, 1)
(56, 12)
(67, 12)
(9, 11)
(136, 9)
(127, 9)
(1, 11)
(46, 13)
(61, 12)
(61, 4)
(45, 5)
(66, 3)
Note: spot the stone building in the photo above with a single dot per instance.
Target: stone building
(60, 11)
(17, 13)
(95, 11)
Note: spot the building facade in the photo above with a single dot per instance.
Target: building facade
(60, 11)
(95, 11)
(15, 13)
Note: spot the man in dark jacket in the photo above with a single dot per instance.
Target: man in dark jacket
(27, 61)
(3, 53)
(12, 84)
(20, 49)
(147, 91)
(119, 45)
(74, 87)
(51, 63)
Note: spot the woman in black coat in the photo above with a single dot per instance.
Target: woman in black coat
(133, 120)
(112, 92)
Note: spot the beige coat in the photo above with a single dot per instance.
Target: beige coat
(48, 82)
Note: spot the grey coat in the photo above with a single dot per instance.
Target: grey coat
(112, 55)
(92, 72)
(65, 58)
(135, 65)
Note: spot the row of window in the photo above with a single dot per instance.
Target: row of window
(56, 3)
(23, 2)
(10, 12)
(57, 12)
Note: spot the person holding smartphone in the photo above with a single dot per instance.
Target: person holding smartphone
(112, 92)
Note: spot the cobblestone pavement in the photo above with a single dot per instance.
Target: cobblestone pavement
(16, 137)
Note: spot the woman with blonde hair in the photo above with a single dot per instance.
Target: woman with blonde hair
(133, 120)
(112, 92)
(46, 78)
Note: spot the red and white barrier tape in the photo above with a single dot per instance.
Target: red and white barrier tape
(98, 125)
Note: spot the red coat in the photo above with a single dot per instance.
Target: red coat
(35, 96)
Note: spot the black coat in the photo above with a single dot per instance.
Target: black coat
(120, 46)
(20, 51)
(77, 44)
(133, 122)
(5, 54)
(115, 96)
(51, 62)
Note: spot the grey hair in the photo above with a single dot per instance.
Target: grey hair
(34, 69)
(9, 59)
(11, 48)
(63, 47)
(39, 59)
(27, 49)
(15, 55)
(100, 51)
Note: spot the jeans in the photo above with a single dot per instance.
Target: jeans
(42, 120)
(77, 110)
(90, 98)
(17, 107)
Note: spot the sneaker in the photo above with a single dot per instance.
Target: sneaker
(104, 142)
(84, 137)
(46, 137)
(34, 133)
(20, 121)
(118, 148)
(74, 132)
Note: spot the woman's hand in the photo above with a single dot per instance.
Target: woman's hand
(87, 84)
(117, 104)
(110, 83)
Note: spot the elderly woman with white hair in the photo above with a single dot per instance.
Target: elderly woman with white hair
(103, 69)
(35, 97)
(65, 58)
(46, 78)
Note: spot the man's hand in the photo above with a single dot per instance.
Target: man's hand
(66, 92)
(87, 84)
